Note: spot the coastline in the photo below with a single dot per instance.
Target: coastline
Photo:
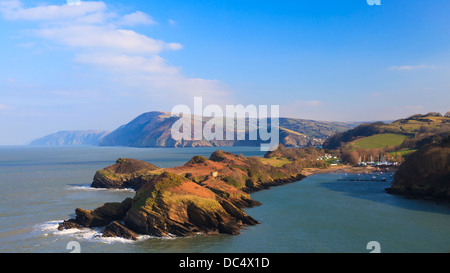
(202, 196)
(346, 169)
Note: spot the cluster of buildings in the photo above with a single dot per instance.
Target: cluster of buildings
(334, 160)
(326, 156)
(380, 163)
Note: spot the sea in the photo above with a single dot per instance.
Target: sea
(323, 213)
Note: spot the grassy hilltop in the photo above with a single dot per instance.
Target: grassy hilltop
(393, 140)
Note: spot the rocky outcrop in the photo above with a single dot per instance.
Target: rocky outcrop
(126, 173)
(169, 205)
(69, 224)
(100, 216)
(116, 229)
(173, 204)
(202, 196)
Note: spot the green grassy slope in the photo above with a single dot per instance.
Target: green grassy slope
(379, 141)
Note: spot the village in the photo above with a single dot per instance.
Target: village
(381, 162)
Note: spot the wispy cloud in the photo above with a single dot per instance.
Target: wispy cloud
(413, 107)
(411, 67)
(14, 10)
(172, 22)
(302, 108)
(104, 39)
(137, 18)
(125, 63)
(4, 107)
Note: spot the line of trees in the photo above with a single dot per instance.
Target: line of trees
(353, 157)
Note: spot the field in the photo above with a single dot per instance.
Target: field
(403, 152)
(276, 161)
(379, 141)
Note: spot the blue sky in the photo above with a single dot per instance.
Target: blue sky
(100, 64)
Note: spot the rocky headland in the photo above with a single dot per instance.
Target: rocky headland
(204, 196)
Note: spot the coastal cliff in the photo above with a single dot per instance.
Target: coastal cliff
(63, 138)
(426, 173)
(205, 195)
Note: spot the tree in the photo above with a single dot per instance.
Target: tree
(399, 158)
(352, 157)
(436, 114)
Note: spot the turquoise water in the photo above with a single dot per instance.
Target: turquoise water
(41, 186)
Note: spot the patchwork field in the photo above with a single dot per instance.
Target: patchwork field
(379, 141)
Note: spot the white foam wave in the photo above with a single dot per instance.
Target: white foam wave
(87, 187)
(50, 228)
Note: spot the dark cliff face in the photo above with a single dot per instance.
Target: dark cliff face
(202, 196)
(425, 173)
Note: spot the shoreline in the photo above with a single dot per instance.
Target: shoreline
(203, 195)
(347, 169)
(306, 172)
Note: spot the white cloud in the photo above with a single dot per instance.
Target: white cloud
(103, 39)
(137, 18)
(14, 10)
(125, 63)
(411, 67)
(95, 37)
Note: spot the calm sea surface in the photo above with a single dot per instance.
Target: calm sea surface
(40, 186)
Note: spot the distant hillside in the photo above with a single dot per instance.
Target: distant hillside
(411, 130)
(90, 137)
(153, 130)
(393, 141)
